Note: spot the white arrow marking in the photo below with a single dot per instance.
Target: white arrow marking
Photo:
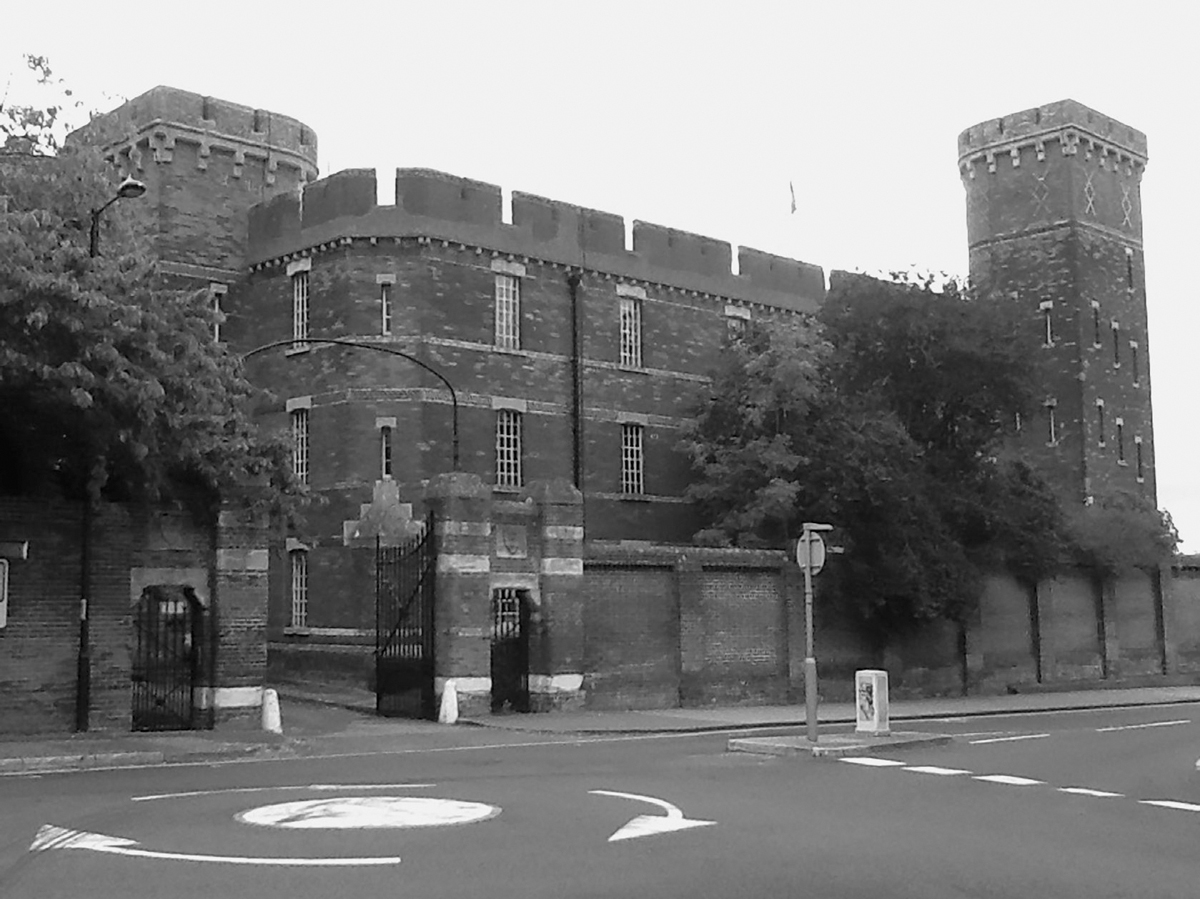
(51, 837)
(648, 825)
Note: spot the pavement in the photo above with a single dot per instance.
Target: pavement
(312, 712)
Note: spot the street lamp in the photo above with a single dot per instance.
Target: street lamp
(128, 189)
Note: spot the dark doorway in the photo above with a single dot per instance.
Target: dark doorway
(166, 660)
(510, 649)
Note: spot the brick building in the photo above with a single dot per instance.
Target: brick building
(1054, 223)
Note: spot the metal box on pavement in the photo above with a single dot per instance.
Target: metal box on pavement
(871, 702)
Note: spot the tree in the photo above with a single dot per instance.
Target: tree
(886, 418)
(1120, 533)
(109, 384)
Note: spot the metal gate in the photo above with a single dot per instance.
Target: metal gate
(404, 598)
(510, 649)
(167, 627)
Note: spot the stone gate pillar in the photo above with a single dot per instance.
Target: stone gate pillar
(462, 508)
(556, 681)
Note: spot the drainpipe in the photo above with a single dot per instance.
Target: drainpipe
(83, 661)
(573, 282)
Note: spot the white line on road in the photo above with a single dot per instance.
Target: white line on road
(1009, 739)
(1009, 779)
(934, 769)
(312, 787)
(870, 762)
(1106, 730)
(1170, 803)
(1084, 791)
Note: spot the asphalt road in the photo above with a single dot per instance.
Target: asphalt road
(1095, 804)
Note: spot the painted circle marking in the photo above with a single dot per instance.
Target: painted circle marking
(361, 812)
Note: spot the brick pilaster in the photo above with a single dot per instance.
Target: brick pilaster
(556, 673)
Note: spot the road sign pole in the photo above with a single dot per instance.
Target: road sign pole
(810, 661)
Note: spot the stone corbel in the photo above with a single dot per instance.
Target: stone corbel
(1040, 148)
(991, 161)
(1015, 155)
(239, 161)
(202, 156)
(272, 166)
(164, 146)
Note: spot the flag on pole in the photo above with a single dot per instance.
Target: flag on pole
(793, 191)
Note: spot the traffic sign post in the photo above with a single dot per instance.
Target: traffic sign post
(810, 556)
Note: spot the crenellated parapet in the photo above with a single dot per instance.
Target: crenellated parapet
(430, 205)
(149, 129)
(1066, 127)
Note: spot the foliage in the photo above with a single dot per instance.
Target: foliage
(1122, 532)
(109, 383)
(886, 418)
(29, 129)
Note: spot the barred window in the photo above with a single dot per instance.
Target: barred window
(1141, 471)
(633, 463)
(1121, 442)
(299, 559)
(385, 452)
(216, 291)
(1133, 360)
(508, 312)
(1100, 419)
(299, 307)
(508, 448)
(631, 331)
(1095, 324)
(385, 308)
(300, 444)
(1116, 336)
(1051, 424)
(1048, 320)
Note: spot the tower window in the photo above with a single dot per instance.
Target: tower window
(299, 308)
(1100, 420)
(1047, 308)
(299, 560)
(385, 452)
(1116, 338)
(217, 291)
(631, 331)
(1141, 471)
(1133, 360)
(1095, 323)
(1129, 268)
(1051, 424)
(508, 448)
(1121, 442)
(385, 308)
(508, 312)
(300, 444)
(633, 463)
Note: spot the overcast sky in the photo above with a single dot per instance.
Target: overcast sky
(696, 115)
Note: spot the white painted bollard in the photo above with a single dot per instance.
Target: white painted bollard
(871, 702)
(271, 721)
(448, 713)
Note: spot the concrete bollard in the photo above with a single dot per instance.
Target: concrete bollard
(271, 721)
(871, 702)
(448, 714)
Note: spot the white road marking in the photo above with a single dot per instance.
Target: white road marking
(1084, 791)
(870, 762)
(363, 812)
(1108, 730)
(1009, 779)
(51, 837)
(308, 787)
(649, 825)
(1170, 803)
(1008, 739)
(934, 769)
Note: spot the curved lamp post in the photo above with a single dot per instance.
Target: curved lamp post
(339, 341)
(128, 189)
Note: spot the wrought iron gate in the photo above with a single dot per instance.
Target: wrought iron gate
(404, 598)
(167, 626)
(510, 649)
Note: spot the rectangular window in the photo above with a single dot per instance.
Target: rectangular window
(633, 464)
(1095, 323)
(300, 444)
(217, 291)
(385, 308)
(1051, 425)
(1129, 268)
(385, 452)
(1100, 420)
(299, 308)
(1047, 308)
(508, 448)
(1137, 446)
(1116, 336)
(631, 331)
(299, 560)
(508, 312)
(1120, 442)
(3, 593)
(1133, 360)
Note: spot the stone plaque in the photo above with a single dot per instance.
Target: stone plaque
(512, 541)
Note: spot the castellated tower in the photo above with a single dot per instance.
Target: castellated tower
(1054, 224)
(205, 162)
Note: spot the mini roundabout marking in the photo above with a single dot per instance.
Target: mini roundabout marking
(326, 813)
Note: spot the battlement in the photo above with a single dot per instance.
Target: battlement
(1064, 120)
(172, 110)
(431, 204)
